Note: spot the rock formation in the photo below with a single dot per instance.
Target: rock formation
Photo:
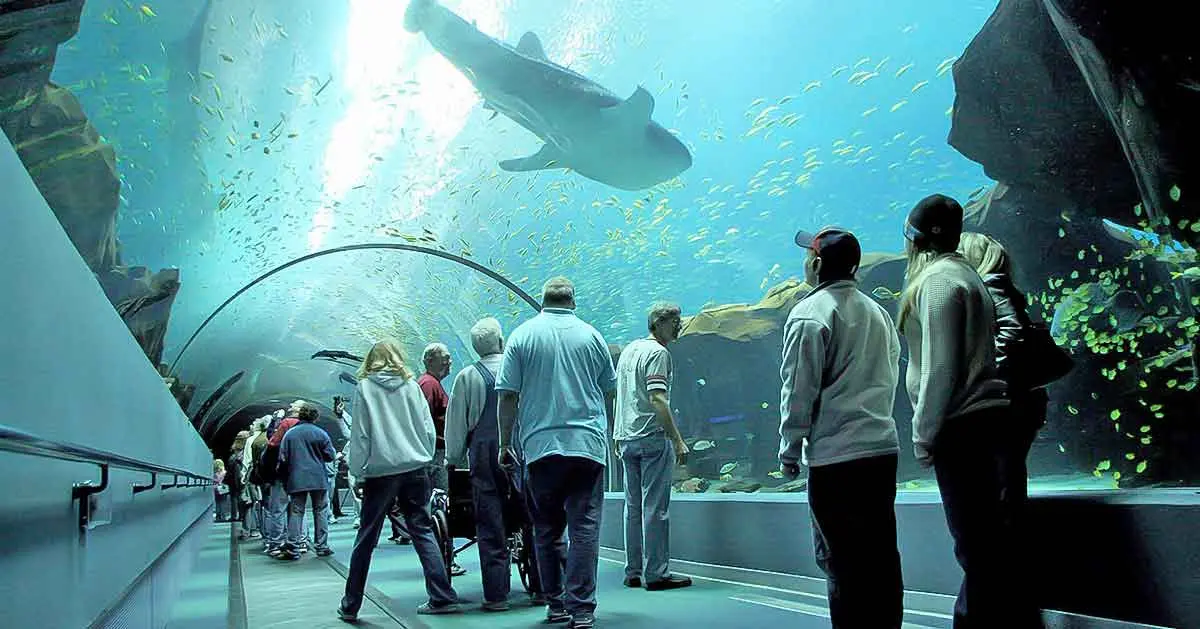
(72, 166)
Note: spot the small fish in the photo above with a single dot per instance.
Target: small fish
(701, 382)
(899, 105)
(728, 467)
(226, 58)
(883, 293)
(703, 444)
(775, 474)
(207, 75)
(1191, 273)
(904, 68)
(918, 86)
(148, 12)
(812, 86)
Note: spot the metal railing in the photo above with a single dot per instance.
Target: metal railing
(21, 442)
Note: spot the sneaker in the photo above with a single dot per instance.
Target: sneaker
(669, 582)
(495, 606)
(633, 582)
(457, 570)
(444, 608)
(582, 621)
(324, 552)
(346, 616)
(286, 555)
(557, 615)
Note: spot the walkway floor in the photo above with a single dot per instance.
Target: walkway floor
(203, 600)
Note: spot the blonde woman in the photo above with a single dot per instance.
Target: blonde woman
(220, 491)
(392, 443)
(1027, 406)
(959, 408)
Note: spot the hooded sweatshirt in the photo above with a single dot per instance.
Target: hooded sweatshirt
(393, 430)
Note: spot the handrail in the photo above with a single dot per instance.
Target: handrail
(21, 442)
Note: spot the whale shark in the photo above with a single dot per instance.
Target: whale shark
(585, 127)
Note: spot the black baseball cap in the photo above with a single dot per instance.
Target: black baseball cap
(838, 249)
(936, 220)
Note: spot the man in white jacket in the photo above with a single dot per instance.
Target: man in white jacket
(840, 369)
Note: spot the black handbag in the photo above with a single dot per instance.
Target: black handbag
(1033, 360)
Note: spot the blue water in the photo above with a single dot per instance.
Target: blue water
(436, 152)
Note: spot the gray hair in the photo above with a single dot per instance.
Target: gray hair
(558, 291)
(434, 351)
(661, 311)
(487, 337)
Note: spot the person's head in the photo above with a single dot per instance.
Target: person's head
(934, 224)
(260, 424)
(218, 465)
(833, 254)
(984, 253)
(487, 338)
(558, 292)
(664, 322)
(308, 414)
(933, 228)
(280, 414)
(436, 359)
(384, 357)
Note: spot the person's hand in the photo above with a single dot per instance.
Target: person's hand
(924, 456)
(681, 452)
(507, 459)
(789, 470)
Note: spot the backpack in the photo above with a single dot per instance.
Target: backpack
(265, 468)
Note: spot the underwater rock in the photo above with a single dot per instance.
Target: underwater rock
(1062, 141)
(30, 33)
(740, 485)
(75, 170)
(693, 486)
(793, 486)
(144, 302)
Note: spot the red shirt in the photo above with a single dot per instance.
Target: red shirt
(436, 396)
(282, 428)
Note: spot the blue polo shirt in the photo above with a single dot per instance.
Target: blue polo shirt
(561, 368)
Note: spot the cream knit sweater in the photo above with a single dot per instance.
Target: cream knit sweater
(952, 351)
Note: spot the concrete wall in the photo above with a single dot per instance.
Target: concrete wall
(1128, 555)
(73, 372)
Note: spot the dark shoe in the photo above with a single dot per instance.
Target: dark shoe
(633, 582)
(582, 621)
(346, 616)
(495, 606)
(324, 552)
(557, 615)
(286, 555)
(444, 608)
(537, 599)
(670, 582)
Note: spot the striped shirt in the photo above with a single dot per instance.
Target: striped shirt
(644, 366)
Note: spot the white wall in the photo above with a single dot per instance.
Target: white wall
(71, 371)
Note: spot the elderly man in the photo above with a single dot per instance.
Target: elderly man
(648, 443)
(437, 366)
(556, 386)
(472, 430)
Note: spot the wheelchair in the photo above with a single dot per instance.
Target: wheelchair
(453, 516)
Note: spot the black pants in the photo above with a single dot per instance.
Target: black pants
(968, 459)
(1027, 414)
(854, 534)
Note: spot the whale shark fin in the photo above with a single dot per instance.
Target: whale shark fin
(547, 157)
(637, 108)
(531, 46)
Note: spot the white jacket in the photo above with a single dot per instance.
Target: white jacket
(840, 370)
(392, 431)
(951, 334)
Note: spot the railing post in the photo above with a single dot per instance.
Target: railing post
(137, 489)
(85, 493)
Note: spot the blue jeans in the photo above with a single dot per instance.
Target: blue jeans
(568, 493)
(412, 491)
(295, 520)
(489, 492)
(276, 516)
(648, 467)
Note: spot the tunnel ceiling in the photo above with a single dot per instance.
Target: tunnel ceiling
(250, 134)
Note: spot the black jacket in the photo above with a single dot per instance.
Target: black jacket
(1011, 313)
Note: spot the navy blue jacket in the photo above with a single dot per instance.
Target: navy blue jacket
(303, 453)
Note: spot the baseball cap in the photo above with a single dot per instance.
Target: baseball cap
(838, 249)
(936, 220)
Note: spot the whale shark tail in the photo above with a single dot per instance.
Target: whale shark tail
(414, 15)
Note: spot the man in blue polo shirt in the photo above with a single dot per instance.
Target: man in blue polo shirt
(556, 387)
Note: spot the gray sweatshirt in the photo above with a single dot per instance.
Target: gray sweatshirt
(840, 369)
(392, 431)
(952, 350)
